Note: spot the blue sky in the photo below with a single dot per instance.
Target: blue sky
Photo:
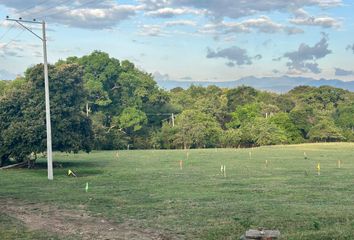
(216, 40)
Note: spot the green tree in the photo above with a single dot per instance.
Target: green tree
(270, 134)
(244, 114)
(284, 103)
(325, 131)
(260, 132)
(344, 116)
(304, 118)
(22, 114)
(240, 96)
(283, 121)
(112, 86)
(231, 138)
(131, 119)
(196, 129)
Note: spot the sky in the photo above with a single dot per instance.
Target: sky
(199, 40)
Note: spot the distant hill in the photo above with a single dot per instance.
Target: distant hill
(273, 84)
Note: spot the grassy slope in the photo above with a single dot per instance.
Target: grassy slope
(197, 202)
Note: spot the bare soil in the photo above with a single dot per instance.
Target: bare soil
(77, 224)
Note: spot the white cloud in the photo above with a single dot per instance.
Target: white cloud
(239, 8)
(172, 12)
(303, 18)
(151, 30)
(106, 14)
(11, 49)
(263, 24)
(180, 23)
(82, 14)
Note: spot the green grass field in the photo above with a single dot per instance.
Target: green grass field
(149, 189)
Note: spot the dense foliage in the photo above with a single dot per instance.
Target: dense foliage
(99, 102)
(22, 114)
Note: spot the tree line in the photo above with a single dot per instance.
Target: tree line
(99, 102)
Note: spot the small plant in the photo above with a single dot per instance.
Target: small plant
(316, 225)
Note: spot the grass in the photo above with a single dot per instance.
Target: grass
(11, 228)
(197, 202)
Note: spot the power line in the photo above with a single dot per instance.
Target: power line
(66, 11)
(50, 8)
(7, 31)
(45, 9)
(12, 40)
(28, 8)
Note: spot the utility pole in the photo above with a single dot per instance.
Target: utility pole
(46, 86)
(173, 120)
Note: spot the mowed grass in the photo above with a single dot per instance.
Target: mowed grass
(149, 189)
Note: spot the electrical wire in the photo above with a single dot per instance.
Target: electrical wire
(78, 7)
(7, 31)
(28, 8)
(12, 40)
(50, 8)
(46, 9)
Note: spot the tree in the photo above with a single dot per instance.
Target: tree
(196, 129)
(325, 131)
(240, 96)
(344, 116)
(284, 103)
(283, 121)
(113, 86)
(304, 118)
(270, 134)
(131, 119)
(231, 138)
(22, 114)
(3, 85)
(165, 137)
(261, 132)
(244, 114)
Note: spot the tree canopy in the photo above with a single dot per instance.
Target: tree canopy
(99, 102)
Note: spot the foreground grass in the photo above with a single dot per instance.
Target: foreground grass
(149, 188)
(11, 228)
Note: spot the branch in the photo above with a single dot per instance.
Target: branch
(119, 129)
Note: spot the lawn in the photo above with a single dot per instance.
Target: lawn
(148, 189)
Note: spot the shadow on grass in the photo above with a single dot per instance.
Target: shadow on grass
(69, 164)
(80, 168)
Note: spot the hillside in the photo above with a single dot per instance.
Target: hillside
(273, 84)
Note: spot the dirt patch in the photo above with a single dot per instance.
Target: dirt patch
(77, 224)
